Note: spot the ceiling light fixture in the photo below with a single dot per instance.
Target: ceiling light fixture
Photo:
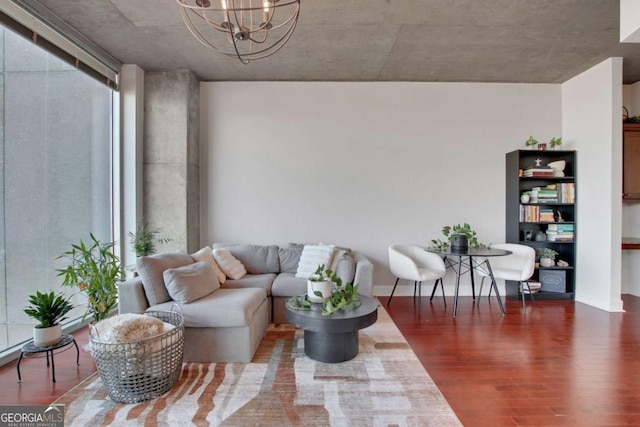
(242, 29)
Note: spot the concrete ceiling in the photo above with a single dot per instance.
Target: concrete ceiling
(535, 41)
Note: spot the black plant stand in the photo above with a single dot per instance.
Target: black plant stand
(31, 348)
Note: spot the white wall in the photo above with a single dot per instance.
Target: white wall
(631, 210)
(629, 21)
(591, 120)
(362, 165)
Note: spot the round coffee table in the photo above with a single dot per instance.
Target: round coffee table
(333, 338)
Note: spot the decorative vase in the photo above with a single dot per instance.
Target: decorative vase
(44, 337)
(525, 198)
(323, 287)
(460, 243)
(546, 262)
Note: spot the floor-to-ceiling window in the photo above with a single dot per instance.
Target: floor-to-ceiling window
(55, 174)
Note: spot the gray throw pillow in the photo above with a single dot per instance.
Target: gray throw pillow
(346, 269)
(150, 269)
(289, 259)
(191, 282)
(256, 259)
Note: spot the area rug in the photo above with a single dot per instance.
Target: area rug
(384, 385)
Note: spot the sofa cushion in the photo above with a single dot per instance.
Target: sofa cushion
(224, 308)
(346, 268)
(229, 264)
(302, 245)
(313, 256)
(264, 281)
(255, 258)
(337, 254)
(190, 282)
(151, 268)
(289, 259)
(206, 254)
(287, 285)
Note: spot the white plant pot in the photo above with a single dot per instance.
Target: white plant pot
(44, 337)
(546, 262)
(323, 287)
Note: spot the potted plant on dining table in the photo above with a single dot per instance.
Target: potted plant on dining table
(458, 237)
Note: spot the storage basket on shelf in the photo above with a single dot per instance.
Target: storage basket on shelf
(140, 370)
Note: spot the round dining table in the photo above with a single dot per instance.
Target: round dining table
(465, 261)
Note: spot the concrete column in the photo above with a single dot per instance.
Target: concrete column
(171, 161)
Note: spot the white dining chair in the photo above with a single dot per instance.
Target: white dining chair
(518, 266)
(413, 263)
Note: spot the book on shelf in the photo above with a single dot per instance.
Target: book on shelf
(537, 171)
(567, 192)
(560, 227)
(559, 236)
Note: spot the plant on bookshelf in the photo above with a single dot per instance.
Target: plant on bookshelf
(547, 256)
(555, 142)
(531, 142)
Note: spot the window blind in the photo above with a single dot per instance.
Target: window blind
(41, 26)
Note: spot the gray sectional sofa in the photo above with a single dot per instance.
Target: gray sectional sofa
(228, 324)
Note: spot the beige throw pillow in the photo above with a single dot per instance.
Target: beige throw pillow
(229, 264)
(191, 282)
(206, 254)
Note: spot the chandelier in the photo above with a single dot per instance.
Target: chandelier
(242, 29)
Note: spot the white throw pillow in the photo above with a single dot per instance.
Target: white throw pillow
(312, 256)
(229, 264)
(206, 254)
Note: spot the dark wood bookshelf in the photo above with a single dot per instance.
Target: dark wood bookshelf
(516, 184)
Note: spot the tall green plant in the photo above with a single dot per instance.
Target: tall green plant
(48, 309)
(95, 270)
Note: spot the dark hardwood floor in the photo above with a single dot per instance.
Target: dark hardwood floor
(564, 363)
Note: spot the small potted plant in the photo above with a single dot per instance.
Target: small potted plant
(531, 143)
(319, 285)
(547, 256)
(555, 142)
(340, 296)
(144, 240)
(49, 309)
(458, 237)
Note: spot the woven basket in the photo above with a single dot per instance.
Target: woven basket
(136, 371)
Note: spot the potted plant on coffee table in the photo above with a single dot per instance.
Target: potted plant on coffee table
(342, 296)
(319, 285)
(49, 309)
(95, 270)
